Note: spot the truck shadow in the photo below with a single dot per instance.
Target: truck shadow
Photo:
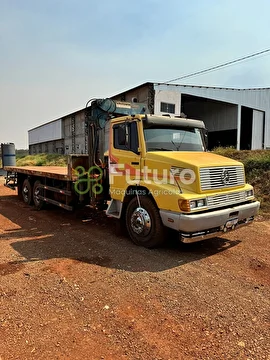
(90, 238)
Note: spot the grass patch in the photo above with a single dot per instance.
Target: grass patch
(257, 167)
(20, 153)
(42, 160)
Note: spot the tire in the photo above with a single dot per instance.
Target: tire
(143, 223)
(27, 192)
(39, 204)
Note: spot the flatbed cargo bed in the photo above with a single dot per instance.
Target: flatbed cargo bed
(53, 172)
(67, 173)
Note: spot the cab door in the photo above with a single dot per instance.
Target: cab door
(125, 158)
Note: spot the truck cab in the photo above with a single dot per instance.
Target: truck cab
(161, 176)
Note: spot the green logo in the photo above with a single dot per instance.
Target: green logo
(88, 180)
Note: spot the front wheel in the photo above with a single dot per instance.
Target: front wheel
(143, 223)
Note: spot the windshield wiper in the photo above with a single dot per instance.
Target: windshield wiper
(177, 146)
(159, 149)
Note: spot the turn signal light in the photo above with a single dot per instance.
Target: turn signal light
(184, 205)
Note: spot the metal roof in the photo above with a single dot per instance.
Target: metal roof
(149, 83)
(186, 85)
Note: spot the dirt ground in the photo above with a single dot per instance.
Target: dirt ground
(70, 288)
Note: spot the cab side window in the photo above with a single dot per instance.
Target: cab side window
(125, 136)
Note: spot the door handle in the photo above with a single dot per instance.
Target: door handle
(135, 163)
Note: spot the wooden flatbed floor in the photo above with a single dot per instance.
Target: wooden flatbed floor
(53, 172)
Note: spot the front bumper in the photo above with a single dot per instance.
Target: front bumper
(196, 227)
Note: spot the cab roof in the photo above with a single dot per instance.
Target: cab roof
(166, 121)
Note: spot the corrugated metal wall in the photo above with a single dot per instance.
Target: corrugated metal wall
(63, 136)
(74, 133)
(47, 132)
(50, 147)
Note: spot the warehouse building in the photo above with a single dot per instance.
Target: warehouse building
(233, 117)
(66, 135)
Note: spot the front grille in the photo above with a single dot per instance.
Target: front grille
(221, 177)
(226, 199)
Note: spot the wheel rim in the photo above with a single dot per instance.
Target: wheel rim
(36, 195)
(25, 193)
(141, 221)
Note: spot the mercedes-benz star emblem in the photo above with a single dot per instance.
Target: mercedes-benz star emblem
(225, 177)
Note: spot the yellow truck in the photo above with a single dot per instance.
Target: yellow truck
(152, 172)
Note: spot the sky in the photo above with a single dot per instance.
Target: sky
(57, 54)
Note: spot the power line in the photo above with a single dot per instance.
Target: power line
(217, 66)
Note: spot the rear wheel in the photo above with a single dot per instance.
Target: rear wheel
(143, 223)
(37, 191)
(27, 192)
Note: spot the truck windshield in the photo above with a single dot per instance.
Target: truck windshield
(180, 139)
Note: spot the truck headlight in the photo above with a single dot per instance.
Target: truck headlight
(201, 203)
(249, 193)
(190, 205)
